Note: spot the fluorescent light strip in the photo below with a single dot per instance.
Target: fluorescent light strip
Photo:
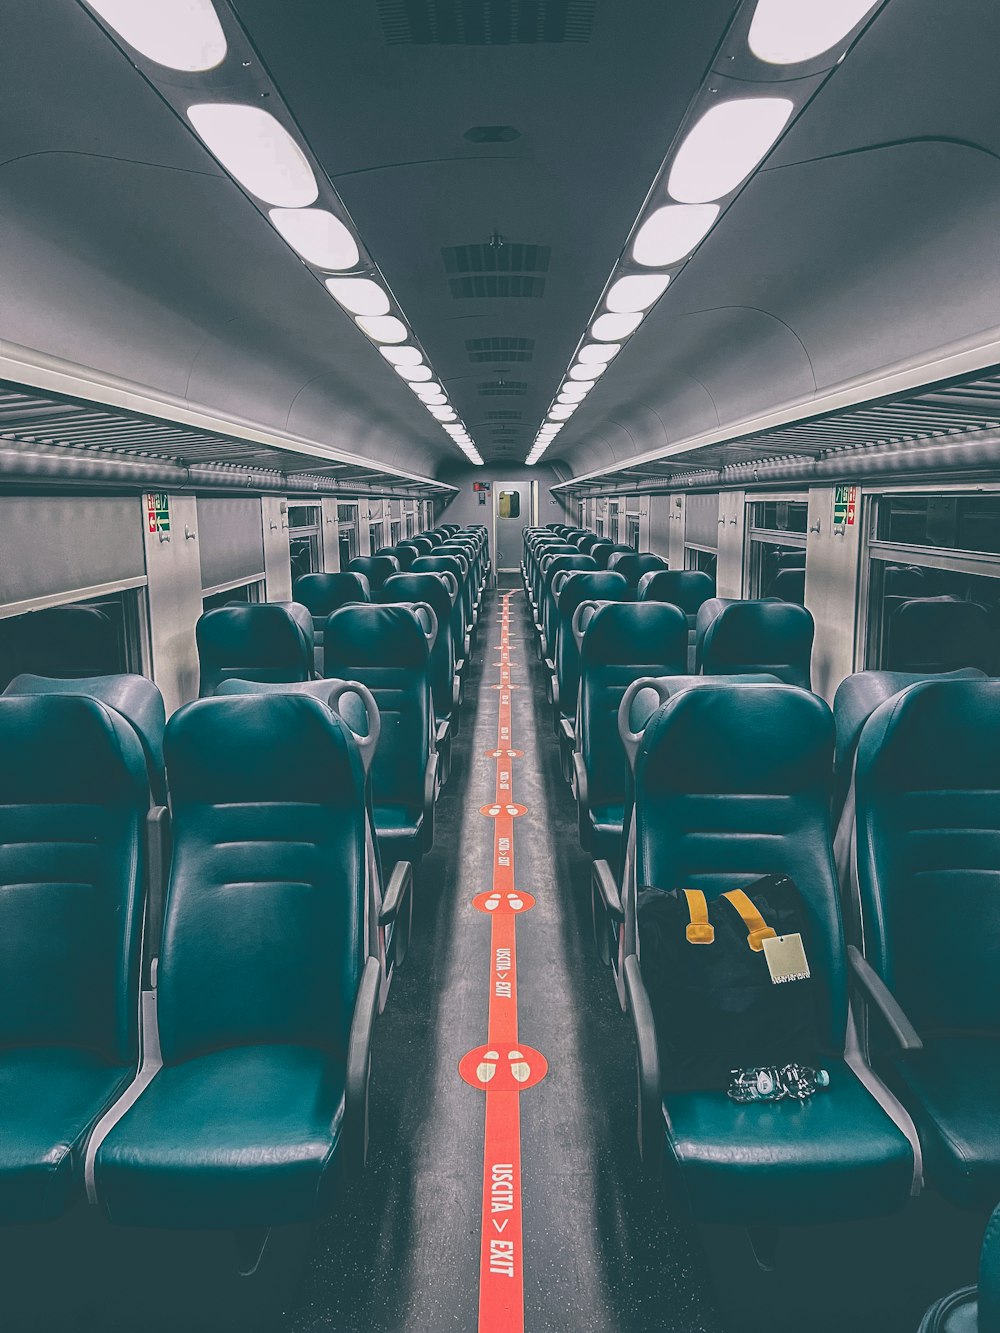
(787, 32)
(179, 34)
(257, 151)
(730, 140)
(318, 236)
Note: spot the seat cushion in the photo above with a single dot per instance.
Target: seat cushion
(50, 1099)
(957, 1313)
(834, 1157)
(236, 1138)
(952, 1090)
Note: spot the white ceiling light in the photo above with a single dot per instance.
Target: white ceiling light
(181, 34)
(432, 399)
(414, 374)
(586, 372)
(575, 392)
(402, 356)
(563, 411)
(442, 413)
(609, 328)
(672, 232)
(597, 352)
(722, 149)
(256, 150)
(317, 235)
(428, 390)
(637, 292)
(361, 296)
(786, 32)
(383, 328)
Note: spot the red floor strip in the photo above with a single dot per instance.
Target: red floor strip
(504, 1067)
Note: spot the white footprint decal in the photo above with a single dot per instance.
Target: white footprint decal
(492, 902)
(487, 1067)
(514, 902)
(519, 1067)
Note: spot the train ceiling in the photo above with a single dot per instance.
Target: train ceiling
(494, 157)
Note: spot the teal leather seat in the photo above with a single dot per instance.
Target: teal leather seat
(733, 782)
(621, 644)
(972, 1309)
(322, 594)
(935, 634)
(252, 642)
(634, 565)
(421, 544)
(136, 698)
(687, 588)
(433, 590)
(385, 648)
(735, 637)
(259, 975)
(549, 612)
(403, 555)
(74, 793)
(69, 640)
(546, 552)
(927, 789)
(375, 568)
(576, 588)
(856, 699)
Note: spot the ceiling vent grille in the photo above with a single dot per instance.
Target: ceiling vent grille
(509, 388)
(503, 257)
(485, 22)
(504, 416)
(500, 349)
(487, 286)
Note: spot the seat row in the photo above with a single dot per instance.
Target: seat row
(188, 995)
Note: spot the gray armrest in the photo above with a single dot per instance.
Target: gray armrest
(158, 864)
(400, 884)
(430, 796)
(879, 994)
(607, 889)
(359, 1057)
(650, 1126)
(582, 800)
(443, 732)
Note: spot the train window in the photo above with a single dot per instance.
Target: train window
(395, 532)
(632, 531)
(776, 549)
(408, 521)
(375, 539)
(613, 528)
(97, 637)
(933, 583)
(509, 505)
(304, 539)
(347, 533)
(956, 522)
(700, 557)
(243, 592)
(599, 526)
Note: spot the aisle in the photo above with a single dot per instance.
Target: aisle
(595, 1257)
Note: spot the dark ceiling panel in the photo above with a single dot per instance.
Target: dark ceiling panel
(500, 349)
(485, 22)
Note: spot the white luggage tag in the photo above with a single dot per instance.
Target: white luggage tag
(786, 958)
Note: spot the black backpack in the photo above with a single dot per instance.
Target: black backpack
(715, 1005)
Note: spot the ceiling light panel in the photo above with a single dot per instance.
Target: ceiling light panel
(734, 121)
(178, 34)
(264, 154)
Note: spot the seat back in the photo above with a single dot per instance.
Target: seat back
(263, 937)
(60, 641)
(557, 565)
(622, 643)
(322, 594)
(547, 554)
(856, 699)
(376, 568)
(774, 637)
(74, 794)
(587, 542)
(632, 565)
(385, 648)
(599, 585)
(431, 589)
(686, 588)
(422, 545)
(733, 782)
(927, 791)
(253, 641)
(134, 697)
(403, 555)
(932, 634)
(448, 564)
(789, 585)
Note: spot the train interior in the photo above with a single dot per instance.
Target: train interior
(500, 666)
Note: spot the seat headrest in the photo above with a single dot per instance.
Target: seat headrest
(563, 562)
(376, 568)
(686, 588)
(430, 588)
(136, 698)
(438, 564)
(264, 633)
(739, 739)
(936, 735)
(375, 636)
(635, 633)
(633, 564)
(585, 584)
(322, 593)
(66, 749)
(254, 748)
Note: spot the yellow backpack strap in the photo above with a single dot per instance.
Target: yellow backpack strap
(700, 930)
(757, 928)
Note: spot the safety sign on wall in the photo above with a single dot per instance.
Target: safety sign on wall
(845, 506)
(157, 513)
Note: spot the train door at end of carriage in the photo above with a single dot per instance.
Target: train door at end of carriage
(512, 513)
